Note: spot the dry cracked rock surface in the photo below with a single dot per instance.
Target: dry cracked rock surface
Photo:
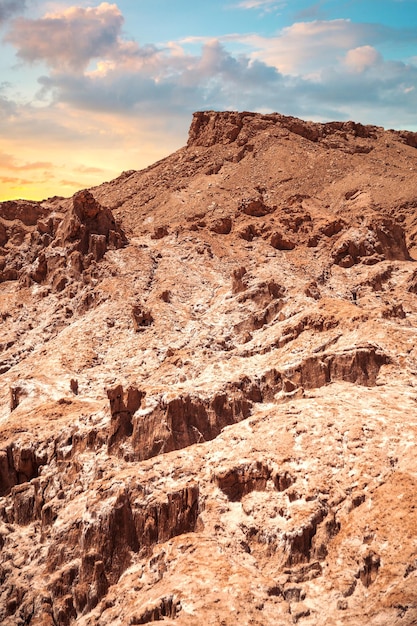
(208, 385)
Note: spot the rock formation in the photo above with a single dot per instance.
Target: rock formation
(209, 385)
(58, 247)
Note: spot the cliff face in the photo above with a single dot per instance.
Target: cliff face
(208, 385)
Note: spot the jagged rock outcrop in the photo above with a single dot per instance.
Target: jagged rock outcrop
(89, 227)
(179, 422)
(207, 399)
(209, 129)
(123, 405)
(377, 241)
(56, 246)
(19, 463)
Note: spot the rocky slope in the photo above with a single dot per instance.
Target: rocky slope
(208, 385)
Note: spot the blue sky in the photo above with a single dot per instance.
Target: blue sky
(89, 89)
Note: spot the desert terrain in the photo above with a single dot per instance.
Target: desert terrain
(208, 407)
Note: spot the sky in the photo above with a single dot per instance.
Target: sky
(91, 89)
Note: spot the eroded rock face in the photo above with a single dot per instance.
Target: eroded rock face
(57, 247)
(210, 422)
(360, 365)
(208, 128)
(19, 463)
(123, 405)
(103, 549)
(185, 420)
(379, 240)
(91, 226)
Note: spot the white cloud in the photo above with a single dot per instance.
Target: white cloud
(165, 82)
(69, 39)
(306, 46)
(361, 58)
(359, 85)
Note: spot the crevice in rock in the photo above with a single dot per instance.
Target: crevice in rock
(183, 421)
(19, 463)
(239, 481)
(142, 318)
(168, 606)
(369, 570)
(101, 546)
(298, 543)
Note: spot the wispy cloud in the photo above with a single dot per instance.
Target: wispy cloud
(266, 6)
(89, 170)
(313, 11)
(9, 162)
(14, 182)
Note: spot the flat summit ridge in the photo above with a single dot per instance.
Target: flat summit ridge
(208, 385)
(211, 127)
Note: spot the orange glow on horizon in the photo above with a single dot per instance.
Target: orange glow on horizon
(35, 191)
(93, 149)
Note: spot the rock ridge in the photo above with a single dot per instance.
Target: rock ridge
(224, 127)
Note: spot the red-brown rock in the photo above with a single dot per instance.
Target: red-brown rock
(212, 420)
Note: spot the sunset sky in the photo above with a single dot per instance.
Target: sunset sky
(89, 89)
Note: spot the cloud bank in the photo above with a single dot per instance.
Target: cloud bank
(303, 69)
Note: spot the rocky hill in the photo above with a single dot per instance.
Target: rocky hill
(208, 385)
